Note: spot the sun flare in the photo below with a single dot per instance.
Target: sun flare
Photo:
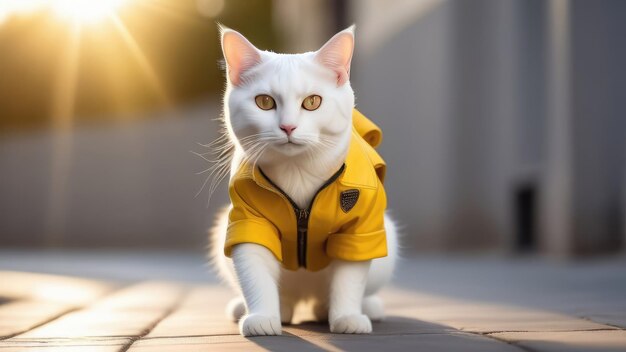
(86, 11)
(77, 11)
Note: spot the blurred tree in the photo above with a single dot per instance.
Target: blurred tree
(153, 54)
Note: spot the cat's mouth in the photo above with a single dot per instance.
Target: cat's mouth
(291, 141)
(290, 146)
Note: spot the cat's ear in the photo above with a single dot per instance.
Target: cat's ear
(336, 54)
(239, 53)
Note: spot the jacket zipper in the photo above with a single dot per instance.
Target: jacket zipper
(302, 215)
(303, 228)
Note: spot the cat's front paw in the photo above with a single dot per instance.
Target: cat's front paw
(351, 324)
(259, 325)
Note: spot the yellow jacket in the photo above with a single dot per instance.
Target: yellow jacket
(344, 220)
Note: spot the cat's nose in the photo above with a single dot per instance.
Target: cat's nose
(288, 128)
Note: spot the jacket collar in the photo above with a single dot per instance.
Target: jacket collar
(363, 167)
(360, 164)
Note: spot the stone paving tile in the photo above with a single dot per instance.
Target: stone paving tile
(186, 323)
(96, 323)
(19, 316)
(51, 288)
(128, 312)
(60, 345)
(150, 295)
(329, 342)
(398, 299)
(617, 319)
(33, 299)
(202, 314)
(197, 324)
(392, 325)
(166, 316)
(573, 341)
(484, 318)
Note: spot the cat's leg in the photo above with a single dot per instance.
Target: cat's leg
(287, 305)
(347, 286)
(257, 272)
(373, 308)
(235, 309)
(223, 265)
(380, 274)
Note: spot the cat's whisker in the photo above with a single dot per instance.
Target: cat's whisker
(217, 150)
(203, 157)
(202, 188)
(214, 170)
(252, 151)
(204, 171)
(258, 157)
(325, 145)
(223, 172)
(256, 135)
(222, 147)
(220, 170)
(309, 154)
(221, 139)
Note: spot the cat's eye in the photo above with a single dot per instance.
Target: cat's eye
(265, 102)
(312, 102)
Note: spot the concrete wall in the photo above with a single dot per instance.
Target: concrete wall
(405, 89)
(122, 185)
(598, 118)
(486, 103)
(459, 88)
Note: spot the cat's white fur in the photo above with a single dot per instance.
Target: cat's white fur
(344, 293)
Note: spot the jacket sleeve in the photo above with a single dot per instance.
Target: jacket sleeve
(247, 225)
(364, 237)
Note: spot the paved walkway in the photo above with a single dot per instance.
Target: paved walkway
(100, 302)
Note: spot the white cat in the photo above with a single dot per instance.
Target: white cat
(299, 150)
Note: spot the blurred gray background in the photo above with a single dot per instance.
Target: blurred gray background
(504, 123)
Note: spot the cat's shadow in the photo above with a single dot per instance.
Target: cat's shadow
(387, 335)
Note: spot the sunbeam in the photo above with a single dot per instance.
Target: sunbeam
(62, 119)
(78, 11)
(86, 11)
(141, 59)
